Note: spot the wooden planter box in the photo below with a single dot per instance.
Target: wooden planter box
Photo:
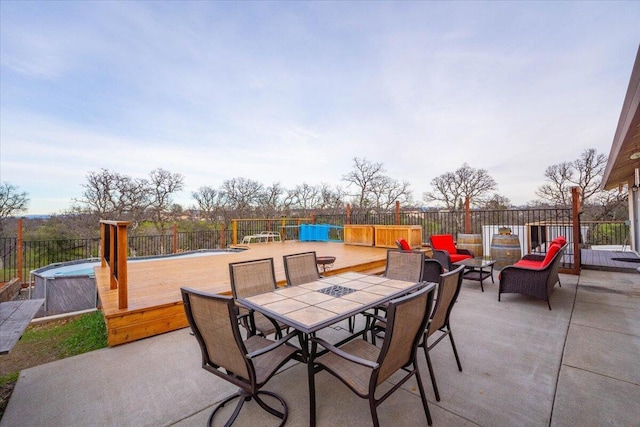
(358, 235)
(386, 235)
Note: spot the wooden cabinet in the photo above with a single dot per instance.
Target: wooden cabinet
(356, 234)
(386, 235)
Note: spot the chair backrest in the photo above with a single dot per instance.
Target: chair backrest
(448, 291)
(300, 268)
(432, 270)
(250, 278)
(213, 320)
(403, 265)
(407, 318)
(443, 242)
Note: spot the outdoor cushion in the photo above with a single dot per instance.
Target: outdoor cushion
(444, 242)
(404, 245)
(526, 263)
(560, 239)
(458, 257)
(551, 252)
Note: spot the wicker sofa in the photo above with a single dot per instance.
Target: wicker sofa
(534, 275)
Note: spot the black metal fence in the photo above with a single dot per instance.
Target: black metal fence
(538, 225)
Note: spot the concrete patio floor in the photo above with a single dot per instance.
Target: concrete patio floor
(577, 365)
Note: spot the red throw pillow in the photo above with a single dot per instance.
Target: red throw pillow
(551, 252)
(443, 242)
(404, 245)
(560, 239)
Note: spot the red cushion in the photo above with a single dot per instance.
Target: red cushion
(527, 263)
(404, 245)
(560, 239)
(444, 242)
(458, 257)
(551, 252)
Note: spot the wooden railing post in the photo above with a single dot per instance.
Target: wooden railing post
(575, 213)
(223, 238)
(175, 238)
(20, 255)
(114, 246)
(234, 228)
(467, 215)
(123, 290)
(397, 212)
(348, 219)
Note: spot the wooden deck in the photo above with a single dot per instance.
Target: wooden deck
(610, 260)
(155, 303)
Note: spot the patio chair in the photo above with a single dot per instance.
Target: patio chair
(249, 278)
(432, 267)
(448, 291)
(248, 364)
(445, 251)
(300, 268)
(363, 367)
(532, 276)
(401, 265)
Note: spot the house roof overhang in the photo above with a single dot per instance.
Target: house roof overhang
(621, 167)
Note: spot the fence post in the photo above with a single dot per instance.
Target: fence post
(467, 215)
(223, 238)
(397, 212)
(175, 238)
(19, 253)
(234, 228)
(348, 221)
(575, 213)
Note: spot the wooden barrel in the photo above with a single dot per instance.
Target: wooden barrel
(472, 242)
(505, 249)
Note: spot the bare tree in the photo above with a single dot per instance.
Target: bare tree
(271, 202)
(331, 200)
(374, 189)
(12, 201)
(584, 172)
(209, 202)
(304, 198)
(452, 188)
(386, 191)
(162, 186)
(110, 195)
(241, 196)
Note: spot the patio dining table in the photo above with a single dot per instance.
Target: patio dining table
(313, 306)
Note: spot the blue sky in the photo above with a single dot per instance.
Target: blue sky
(291, 92)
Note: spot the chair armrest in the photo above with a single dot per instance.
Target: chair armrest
(442, 256)
(273, 346)
(464, 251)
(345, 355)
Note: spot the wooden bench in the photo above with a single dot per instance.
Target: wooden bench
(15, 316)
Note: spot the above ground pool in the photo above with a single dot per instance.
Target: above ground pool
(71, 286)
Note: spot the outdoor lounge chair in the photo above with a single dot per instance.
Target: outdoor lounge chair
(363, 367)
(300, 268)
(248, 364)
(448, 291)
(446, 252)
(250, 278)
(532, 276)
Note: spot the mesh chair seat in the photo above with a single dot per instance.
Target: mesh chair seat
(358, 376)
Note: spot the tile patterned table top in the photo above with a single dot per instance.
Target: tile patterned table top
(312, 306)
